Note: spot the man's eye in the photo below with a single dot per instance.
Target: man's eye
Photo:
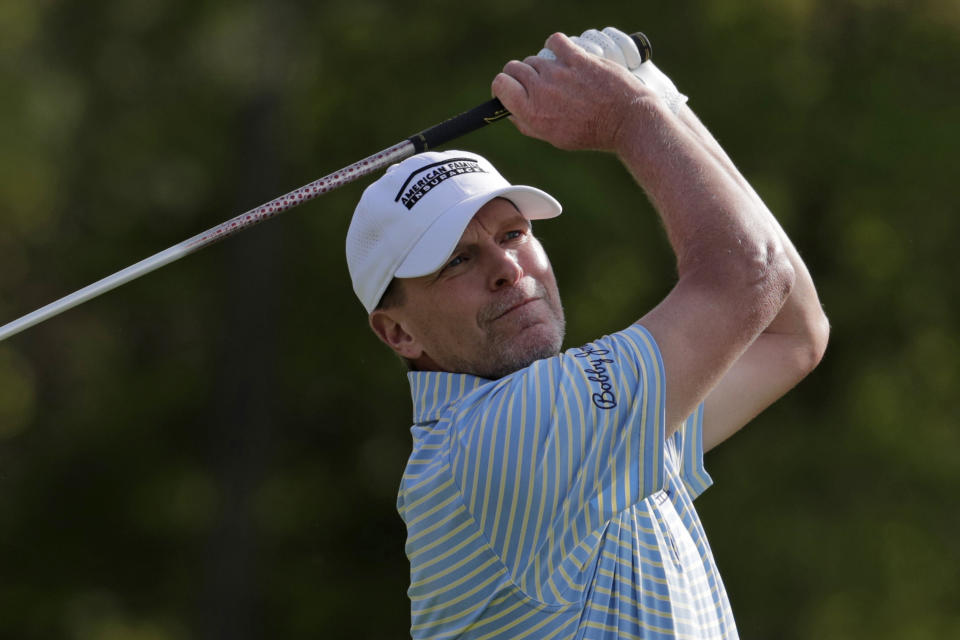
(456, 261)
(513, 235)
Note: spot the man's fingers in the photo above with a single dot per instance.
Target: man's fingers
(509, 90)
(546, 54)
(513, 96)
(563, 48)
(538, 63)
(587, 45)
(522, 71)
(517, 79)
(511, 84)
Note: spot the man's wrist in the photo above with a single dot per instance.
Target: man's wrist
(663, 86)
(647, 114)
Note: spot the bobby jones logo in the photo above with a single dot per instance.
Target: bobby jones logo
(433, 175)
(598, 373)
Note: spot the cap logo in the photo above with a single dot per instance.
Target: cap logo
(435, 174)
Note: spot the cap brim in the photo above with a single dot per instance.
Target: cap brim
(440, 239)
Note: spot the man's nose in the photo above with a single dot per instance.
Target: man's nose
(506, 270)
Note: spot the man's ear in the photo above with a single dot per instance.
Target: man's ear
(390, 330)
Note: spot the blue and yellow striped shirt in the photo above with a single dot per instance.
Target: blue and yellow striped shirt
(548, 503)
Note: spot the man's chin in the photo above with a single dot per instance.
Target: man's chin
(536, 342)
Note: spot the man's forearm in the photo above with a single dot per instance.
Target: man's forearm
(802, 313)
(709, 217)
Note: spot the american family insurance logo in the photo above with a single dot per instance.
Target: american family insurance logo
(431, 176)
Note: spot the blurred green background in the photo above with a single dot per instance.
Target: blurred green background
(213, 451)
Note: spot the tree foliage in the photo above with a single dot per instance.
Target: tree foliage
(213, 451)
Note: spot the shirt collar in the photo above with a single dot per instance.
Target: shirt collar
(434, 391)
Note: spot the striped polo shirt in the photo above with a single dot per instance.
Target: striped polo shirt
(549, 504)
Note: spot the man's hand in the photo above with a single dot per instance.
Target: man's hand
(578, 101)
(613, 44)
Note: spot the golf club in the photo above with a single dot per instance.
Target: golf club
(457, 126)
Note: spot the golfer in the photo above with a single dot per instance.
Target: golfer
(550, 492)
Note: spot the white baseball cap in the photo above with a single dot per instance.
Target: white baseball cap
(409, 221)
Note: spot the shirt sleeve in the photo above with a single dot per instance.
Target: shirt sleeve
(544, 458)
(688, 440)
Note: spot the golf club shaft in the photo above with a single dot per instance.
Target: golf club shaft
(438, 134)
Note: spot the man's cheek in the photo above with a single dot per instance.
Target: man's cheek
(540, 261)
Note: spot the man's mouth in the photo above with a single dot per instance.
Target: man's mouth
(517, 306)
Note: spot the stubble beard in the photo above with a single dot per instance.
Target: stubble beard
(506, 350)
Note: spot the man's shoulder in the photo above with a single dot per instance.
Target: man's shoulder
(599, 372)
(632, 347)
(601, 369)
(626, 343)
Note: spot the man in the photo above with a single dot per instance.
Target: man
(550, 494)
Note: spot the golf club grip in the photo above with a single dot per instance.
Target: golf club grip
(459, 125)
(490, 111)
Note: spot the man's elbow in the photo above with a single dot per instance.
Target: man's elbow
(771, 285)
(809, 343)
(806, 348)
(781, 278)
(815, 342)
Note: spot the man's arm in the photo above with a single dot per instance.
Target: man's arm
(787, 350)
(734, 270)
